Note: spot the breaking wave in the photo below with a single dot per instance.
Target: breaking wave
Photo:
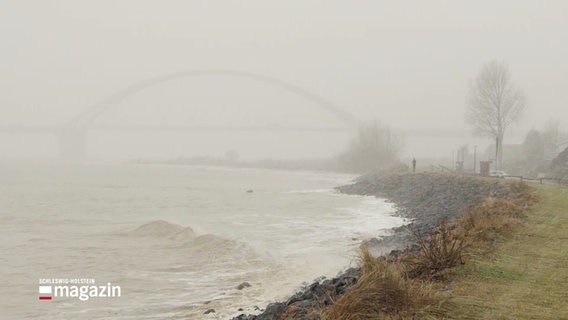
(184, 238)
(163, 229)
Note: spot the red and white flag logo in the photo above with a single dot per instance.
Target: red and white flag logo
(44, 292)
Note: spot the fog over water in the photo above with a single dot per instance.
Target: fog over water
(406, 64)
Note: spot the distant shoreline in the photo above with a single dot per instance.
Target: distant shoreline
(318, 165)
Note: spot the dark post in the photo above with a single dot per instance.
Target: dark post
(474, 159)
(454, 159)
(414, 165)
(497, 164)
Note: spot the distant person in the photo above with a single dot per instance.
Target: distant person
(414, 165)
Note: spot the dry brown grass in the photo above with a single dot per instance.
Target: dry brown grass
(523, 194)
(494, 218)
(403, 289)
(477, 232)
(385, 292)
(491, 219)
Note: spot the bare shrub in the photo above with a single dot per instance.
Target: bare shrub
(441, 250)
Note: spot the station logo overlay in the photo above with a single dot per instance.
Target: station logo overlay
(76, 288)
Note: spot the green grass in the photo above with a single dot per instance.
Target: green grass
(526, 276)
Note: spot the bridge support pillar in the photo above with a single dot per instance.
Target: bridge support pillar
(72, 144)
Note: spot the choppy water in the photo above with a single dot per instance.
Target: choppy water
(177, 239)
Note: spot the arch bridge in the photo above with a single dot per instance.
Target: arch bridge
(72, 134)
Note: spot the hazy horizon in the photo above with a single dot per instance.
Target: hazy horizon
(404, 64)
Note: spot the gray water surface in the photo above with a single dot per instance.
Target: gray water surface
(78, 221)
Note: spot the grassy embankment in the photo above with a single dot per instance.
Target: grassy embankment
(505, 259)
(526, 276)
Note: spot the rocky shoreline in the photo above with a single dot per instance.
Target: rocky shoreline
(427, 199)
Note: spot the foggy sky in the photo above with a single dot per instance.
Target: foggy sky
(404, 63)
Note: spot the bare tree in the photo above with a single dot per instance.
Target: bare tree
(494, 103)
(375, 146)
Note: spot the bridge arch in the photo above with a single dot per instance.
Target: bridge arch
(87, 116)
